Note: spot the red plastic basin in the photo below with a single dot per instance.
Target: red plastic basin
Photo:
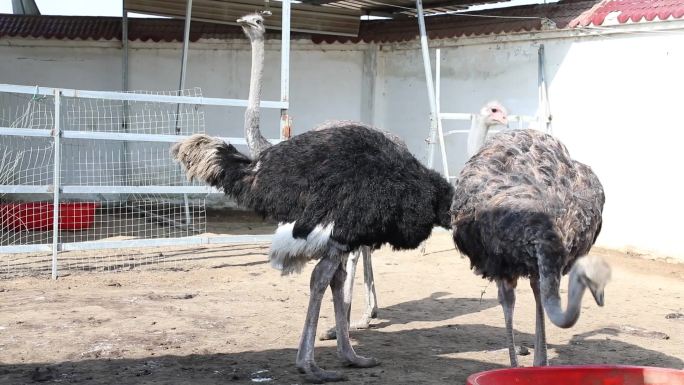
(579, 375)
(39, 215)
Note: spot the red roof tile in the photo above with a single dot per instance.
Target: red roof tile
(630, 10)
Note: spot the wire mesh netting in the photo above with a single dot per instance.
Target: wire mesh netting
(102, 204)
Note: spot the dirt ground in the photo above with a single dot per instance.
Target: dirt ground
(224, 316)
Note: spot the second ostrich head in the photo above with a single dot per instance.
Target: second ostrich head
(594, 273)
(588, 272)
(491, 114)
(494, 113)
(253, 24)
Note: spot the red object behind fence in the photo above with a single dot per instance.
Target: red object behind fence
(39, 215)
(580, 375)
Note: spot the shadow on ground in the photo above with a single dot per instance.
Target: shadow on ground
(424, 309)
(427, 356)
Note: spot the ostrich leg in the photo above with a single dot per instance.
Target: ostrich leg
(540, 358)
(369, 284)
(352, 260)
(320, 279)
(507, 301)
(344, 348)
(371, 310)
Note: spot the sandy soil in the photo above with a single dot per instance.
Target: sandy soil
(224, 316)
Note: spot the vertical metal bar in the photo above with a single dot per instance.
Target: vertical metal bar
(124, 87)
(124, 42)
(184, 64)
(285, 124)
(438, 94)
(184, 58)
(430, 86)
(186, 42)
(56, 137)
(438, 81)
(545, 115)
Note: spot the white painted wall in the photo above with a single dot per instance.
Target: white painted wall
(615, 101)
(325, 84)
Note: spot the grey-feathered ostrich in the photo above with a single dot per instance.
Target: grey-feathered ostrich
(333, 191)
(524, 208)
(254, 27)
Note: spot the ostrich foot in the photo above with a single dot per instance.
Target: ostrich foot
(360, 362)
(362, 324)
(317, 375)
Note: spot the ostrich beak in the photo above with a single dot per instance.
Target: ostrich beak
(500, 118)
(598, 295)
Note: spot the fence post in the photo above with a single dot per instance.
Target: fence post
(56, 137)
(285, 122)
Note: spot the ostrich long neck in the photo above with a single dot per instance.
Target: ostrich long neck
(549, 287)
(255, 140)
(477, 134)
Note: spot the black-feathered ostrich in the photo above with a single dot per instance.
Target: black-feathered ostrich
(254, 27)
(524, 208)
(333, 191)
(491, 114)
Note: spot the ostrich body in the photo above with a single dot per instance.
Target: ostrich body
(524, 208)
(254, 28)
(371, 304)
(333, 191)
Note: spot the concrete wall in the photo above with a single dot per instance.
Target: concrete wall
(614, 101)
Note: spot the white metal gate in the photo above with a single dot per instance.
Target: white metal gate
(96, 165)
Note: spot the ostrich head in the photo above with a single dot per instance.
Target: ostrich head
(594, 273)
(494, 113)
(253, 24)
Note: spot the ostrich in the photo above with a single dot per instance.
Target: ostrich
(491, 114)
(333, 191)
(254, 28)
(524, 208)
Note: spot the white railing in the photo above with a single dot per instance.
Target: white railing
(59, 131)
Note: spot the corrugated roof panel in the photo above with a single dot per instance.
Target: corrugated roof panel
(304, 18)
(508, 20)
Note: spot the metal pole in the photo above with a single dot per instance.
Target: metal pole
(184, 63)
(545, 117)
(124, 42)
(56, 135)
(430, 85)
(124, 87)
(285, 124)
(438, 94)
(186, 42)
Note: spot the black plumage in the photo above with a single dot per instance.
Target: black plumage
(351, 176)
(333, 190)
